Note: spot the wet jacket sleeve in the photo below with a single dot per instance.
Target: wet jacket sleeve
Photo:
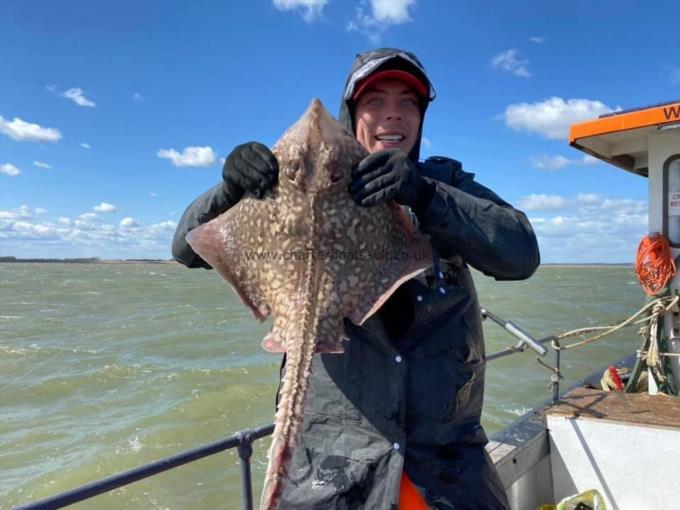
(209, 205)
(469, 220)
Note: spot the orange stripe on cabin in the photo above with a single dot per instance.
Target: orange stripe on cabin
(665, 114)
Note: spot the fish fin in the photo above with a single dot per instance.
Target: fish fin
(375, 299)
(330, 345)
(273, 343)
(206, 240)
(413, 257)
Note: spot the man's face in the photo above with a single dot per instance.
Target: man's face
(387, 116)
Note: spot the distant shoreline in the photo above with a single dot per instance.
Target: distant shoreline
(588, 264)
(86, 260)
(95, 260)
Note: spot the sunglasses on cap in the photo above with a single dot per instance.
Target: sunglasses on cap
(372, 64)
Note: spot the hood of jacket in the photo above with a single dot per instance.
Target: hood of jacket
(383, 59)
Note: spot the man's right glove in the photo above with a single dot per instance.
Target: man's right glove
(249, 167)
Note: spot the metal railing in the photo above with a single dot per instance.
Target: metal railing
(241, 440)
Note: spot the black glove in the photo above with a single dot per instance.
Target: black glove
(249, 167)
(389, 174)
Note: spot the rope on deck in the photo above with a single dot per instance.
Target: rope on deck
(648, 356)
(659, 306)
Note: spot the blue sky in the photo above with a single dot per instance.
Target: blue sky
(114, 116)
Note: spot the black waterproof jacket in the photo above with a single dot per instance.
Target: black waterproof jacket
(407, 393)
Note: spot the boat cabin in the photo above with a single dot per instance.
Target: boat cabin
(623, 445)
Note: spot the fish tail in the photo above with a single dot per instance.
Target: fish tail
(276, 471)
(288, 420)
(289, 416)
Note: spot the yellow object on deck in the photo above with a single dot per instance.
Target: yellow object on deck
(591, 499)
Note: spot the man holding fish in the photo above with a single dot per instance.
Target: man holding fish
(394, 421)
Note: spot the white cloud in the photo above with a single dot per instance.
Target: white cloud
(589, 160)
(592, 203)
(508, 61)
(40, 164)
(9, 169)
(23, 131)
(537, 40)
(541, 202)
(76, 95)
(137, 97)
(86, 224)
(88, 216)
(85, 145)
(588, 198)
(190, 156)
(545, 162)
(392, 11)
(163, 228)
(51, 88)
(383, 14)
(426, 142)
(311, 9)
(550, 163)
(618, 203)
(36, 231)
(24, 212)
(675, 75)
(153, 194)
(104, 207)
(552, 118)
(587, 227)
(24, 236)
(129, 222)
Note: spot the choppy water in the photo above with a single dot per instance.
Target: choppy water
(104, 367)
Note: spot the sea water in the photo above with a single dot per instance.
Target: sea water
(104, 367)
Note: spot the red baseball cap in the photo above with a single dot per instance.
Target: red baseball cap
(420, 88)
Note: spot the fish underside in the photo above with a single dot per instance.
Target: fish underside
(307, 254)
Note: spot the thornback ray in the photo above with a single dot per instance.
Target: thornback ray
(307, 254)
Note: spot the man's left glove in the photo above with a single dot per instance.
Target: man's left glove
(386, 175)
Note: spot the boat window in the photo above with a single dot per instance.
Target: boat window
(671, 184)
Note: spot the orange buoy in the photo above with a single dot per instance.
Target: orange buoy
(654, 263)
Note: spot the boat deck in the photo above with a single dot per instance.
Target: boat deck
(592, 439)
(622, 445)
(632, 408)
